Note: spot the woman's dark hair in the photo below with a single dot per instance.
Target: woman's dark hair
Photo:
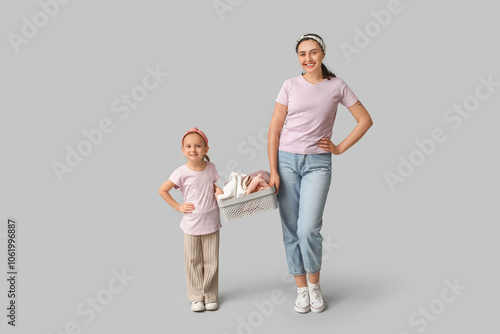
(326, 73)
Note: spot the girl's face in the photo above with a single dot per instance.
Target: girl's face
(194, 147)
(310, 56)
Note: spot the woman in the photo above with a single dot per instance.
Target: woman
(299, 149)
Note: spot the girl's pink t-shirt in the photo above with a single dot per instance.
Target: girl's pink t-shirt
(311, 112)
(198, 188)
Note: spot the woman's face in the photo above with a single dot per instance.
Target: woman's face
(310, 56)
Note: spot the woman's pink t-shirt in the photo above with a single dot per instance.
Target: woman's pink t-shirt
(198, 188)
(311, 112)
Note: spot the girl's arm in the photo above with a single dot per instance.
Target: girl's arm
(364, 120)
(218, 191)
(164, 193)
(273, 139)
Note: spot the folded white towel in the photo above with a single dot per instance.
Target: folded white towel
(233, 187)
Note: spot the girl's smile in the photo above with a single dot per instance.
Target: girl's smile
(194, 148)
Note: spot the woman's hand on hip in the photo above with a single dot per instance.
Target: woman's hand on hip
(327, 145)
(274, 180)
(186, 207)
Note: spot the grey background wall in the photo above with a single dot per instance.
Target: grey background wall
(411, 221)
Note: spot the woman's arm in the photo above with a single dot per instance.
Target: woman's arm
(364, 120)
(273, 139)
(164, 193)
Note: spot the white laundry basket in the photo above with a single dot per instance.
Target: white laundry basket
(249, 205)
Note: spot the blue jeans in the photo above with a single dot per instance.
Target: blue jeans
(304, 184)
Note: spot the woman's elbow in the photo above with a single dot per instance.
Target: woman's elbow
(275, 130)
(368, 121)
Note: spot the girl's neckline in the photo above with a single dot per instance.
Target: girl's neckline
(198, 171)
(314, 84)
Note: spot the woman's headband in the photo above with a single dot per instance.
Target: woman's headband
(316, 38)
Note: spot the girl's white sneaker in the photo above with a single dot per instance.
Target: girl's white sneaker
(302, 302)
(211, 306)
(197, 306)
(317, 301)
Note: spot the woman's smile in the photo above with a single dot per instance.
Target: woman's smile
(310, 56)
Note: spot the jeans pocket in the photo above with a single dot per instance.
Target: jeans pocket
(320, 163)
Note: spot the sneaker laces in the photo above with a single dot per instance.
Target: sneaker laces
(316, 294)
(302, 296)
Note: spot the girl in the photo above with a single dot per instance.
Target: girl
(300, 161)
(200, 222)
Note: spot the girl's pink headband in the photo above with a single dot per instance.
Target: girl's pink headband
(195, 130)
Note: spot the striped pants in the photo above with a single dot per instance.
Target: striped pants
(201, 254)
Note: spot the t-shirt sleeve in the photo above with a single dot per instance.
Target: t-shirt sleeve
(215, 174)
(176, 178)
(348, 97)
(283, 94)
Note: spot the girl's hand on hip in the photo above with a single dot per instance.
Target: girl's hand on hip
(186, 207)
(327, 145)
(274, 180)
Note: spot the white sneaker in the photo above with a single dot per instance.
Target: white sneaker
(316, 297)
(211, 306)
(197, 306)
(302, 302)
